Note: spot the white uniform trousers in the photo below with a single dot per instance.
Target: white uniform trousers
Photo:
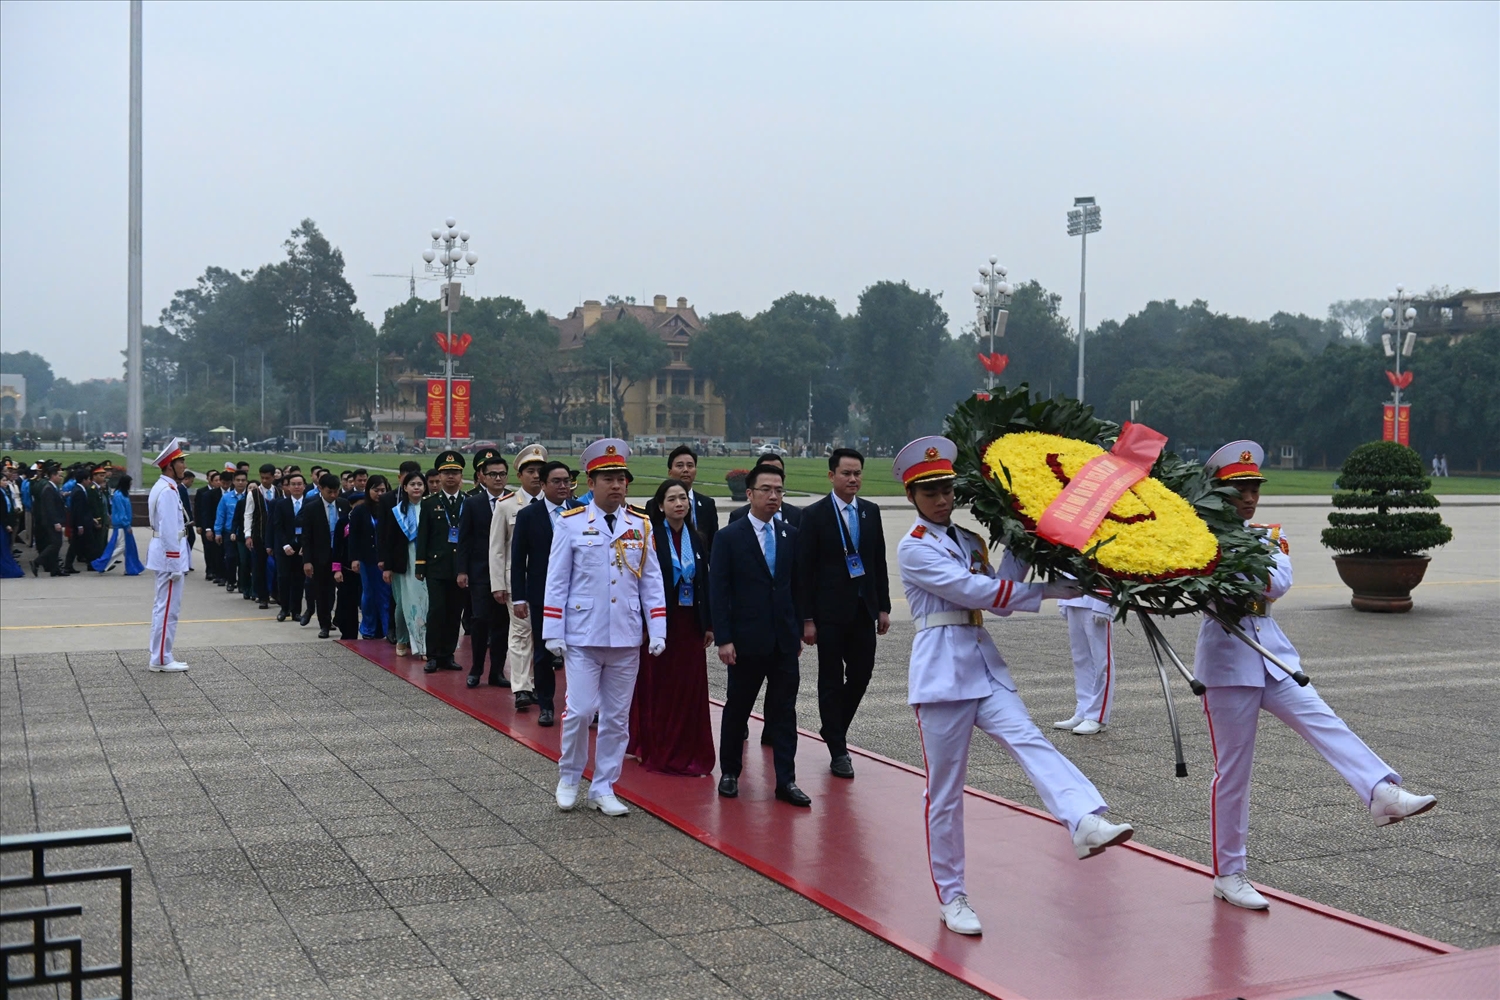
(600, 679)
(945, 728)
(164, 618)
(1233, 714)
(1091, 636)
(521, 650)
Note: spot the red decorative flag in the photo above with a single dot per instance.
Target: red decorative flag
(994, 363)
(437, 410)
(461, 408)
(1079, 509)
(1399, 381)
(458, 345)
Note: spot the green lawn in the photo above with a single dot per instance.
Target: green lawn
(804, 475)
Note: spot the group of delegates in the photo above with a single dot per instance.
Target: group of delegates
(73, 519)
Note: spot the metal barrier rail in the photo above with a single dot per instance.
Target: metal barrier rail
(42, 945)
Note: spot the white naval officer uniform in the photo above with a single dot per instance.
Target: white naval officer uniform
(170, 557)
(1091, 638)
(603, 586)
(958, 680)
(518, 639)
(1240, 683)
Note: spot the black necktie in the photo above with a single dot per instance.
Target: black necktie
(953, 534)
(609, 519)
(536, 499)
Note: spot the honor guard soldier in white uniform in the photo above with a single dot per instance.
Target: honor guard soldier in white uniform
(168, 555)
(958, 680)
(1241, 682)
(521, 652)
(1090, 634)
(604, 588)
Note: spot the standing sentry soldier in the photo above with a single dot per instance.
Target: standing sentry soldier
(168, 556)
(604, 588)
(1241, 683)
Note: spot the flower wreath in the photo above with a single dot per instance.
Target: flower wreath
(1169, 545)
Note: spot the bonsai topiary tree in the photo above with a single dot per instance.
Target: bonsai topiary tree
(1379, 537)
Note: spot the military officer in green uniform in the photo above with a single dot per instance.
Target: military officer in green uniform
(437, 561)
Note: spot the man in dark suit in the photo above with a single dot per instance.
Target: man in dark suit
(789, 513)
(185, 491)
(489, 620)
(49, 517)
(846, 598)
(323, 519)
(437, 561)
(205, 505)
(756, 622)
(258, 532)
(286, 524)
(703, 513)
(530, 549)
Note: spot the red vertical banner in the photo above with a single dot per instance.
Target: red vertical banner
(1388, 423)
(1403, 425)
(461, 409)
(436, 408)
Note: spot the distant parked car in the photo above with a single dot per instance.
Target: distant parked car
(478, 445)
(274, 444)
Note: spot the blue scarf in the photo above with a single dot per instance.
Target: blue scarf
(406, 517)
(684, 563)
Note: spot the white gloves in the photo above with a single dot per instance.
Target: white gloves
(557, 647)
(1061, 590)
(657, 647)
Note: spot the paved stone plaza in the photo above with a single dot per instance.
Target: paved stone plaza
(309, 825)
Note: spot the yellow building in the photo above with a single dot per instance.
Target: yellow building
(676, 402)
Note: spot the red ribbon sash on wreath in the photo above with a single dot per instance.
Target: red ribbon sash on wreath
(1072, 518)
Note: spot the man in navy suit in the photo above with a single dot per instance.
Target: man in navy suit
(703, 513)
(846, 595)
(530, 549)
(790, 513)
(489, 620)
(757, 625)
(286, 525)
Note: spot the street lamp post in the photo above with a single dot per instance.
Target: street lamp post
(1084, 219)
(451, 257)
(1399, 318)
(991, 299)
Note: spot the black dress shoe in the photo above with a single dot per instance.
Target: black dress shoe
(793, 795)
(322, 633)
(545, 717)
(729, 787)
(265, 605)
(449, 664)
(281, 616)
(305, 619)
(471, 681)
(431, 667)
(841, 766)
(524, 700)
(498, 680)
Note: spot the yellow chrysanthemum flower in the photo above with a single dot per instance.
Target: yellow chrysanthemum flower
(1152, 533)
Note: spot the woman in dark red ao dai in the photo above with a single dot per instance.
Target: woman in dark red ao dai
(670, 732)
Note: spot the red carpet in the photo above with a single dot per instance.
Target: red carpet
(1133, 922)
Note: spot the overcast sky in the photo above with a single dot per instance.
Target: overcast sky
(1261, 157)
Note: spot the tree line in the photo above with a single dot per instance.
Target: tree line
(287, 340)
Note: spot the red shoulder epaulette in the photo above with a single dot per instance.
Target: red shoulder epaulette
(920, 531)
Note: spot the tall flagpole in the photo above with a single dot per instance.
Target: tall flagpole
(135, 426)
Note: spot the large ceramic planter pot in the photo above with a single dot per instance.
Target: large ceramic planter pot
(1382, 584)
(737, 491)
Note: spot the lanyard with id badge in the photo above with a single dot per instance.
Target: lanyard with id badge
(851, 555)
(683, 570)
(452, 528)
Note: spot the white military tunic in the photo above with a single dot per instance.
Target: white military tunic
(518, 641)
(1241, 682)
(170, 557)
(604, 589)
(958, 680)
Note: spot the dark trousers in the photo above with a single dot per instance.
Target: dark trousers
(846, 659)
(445, 604)
(320, 596)
(778, 671)
(259, 585)
(213, 559)
(48, 547)
(80, 544)
(346, 617)
(245, 572)
(290, 583)
(229, 562)
(544, 667)
(489, 629)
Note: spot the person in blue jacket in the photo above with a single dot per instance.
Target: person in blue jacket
(120, 516)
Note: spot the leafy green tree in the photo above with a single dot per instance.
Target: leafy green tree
(34, 367)
(1358, 319)
(628, 351)
(894, 343)
(727, 351)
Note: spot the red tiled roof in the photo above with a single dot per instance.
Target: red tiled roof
(673, 325)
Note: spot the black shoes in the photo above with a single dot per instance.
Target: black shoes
(281, 616)
(305, 619)
(431, 667)
(841, 766)
(793, 795)
(729, 787)
(322, 633)
(471, 681)
(498, 680)
(524, 700)
(265, 605)
(545, 717)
